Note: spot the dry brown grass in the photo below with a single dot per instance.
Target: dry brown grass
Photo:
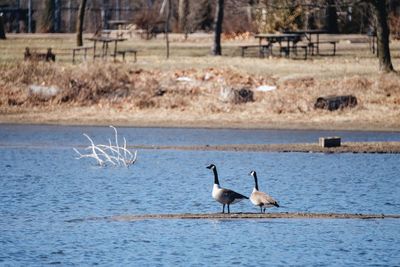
(148, 93)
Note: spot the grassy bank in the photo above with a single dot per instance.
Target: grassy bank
(151, 93)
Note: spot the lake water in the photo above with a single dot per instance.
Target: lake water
(44, 189)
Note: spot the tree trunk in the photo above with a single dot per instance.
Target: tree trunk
(249, 9)
(169, 11)
(57, 15)
(219, 17)
(382, 32)
(79, 23)
(30, 16)
(166, 4)
(331, 17)
(183, 11)
(47, 21)
(2, 31)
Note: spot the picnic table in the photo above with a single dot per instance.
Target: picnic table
(118, 24)
(287, 41)
(314, 43)
(120, 27)
(105, 41)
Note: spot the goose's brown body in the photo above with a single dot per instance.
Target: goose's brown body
(223, 195)
(259, 198)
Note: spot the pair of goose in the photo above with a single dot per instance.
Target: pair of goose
(228, 197)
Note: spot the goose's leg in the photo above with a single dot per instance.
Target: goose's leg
(228, 209)
(223, 208)
(264, 209)
(261, 209)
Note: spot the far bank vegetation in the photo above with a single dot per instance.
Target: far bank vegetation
(193, 89)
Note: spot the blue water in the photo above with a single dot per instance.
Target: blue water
(44, 189)
(72, 136)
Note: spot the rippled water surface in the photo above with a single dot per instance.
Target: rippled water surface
(43, 188)
(63, 135)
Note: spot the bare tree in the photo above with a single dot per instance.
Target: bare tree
(382, 33)
(79, 23)
(2, 31)
(200, 15)
(219, 17)
(167, 5)
(331, 17)
(183, 11)
(48, 19)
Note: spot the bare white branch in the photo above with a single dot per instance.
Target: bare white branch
(115, 155)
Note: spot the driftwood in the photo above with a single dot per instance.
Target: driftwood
(332, 103)
(48, 56)
(110, 154)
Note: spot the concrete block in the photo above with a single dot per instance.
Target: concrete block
(330, 141)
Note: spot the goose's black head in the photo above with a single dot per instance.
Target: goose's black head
(211, 167)
(253, 173)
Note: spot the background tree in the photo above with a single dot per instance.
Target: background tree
(166, 7)
(183, 11)
(219, 18)
(331, 17)
(200, 15)
(48, 19)
(79, 23)
(382, 34)
(2, 31)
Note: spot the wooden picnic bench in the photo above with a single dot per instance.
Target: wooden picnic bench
(315, 46)
(127, 51)
(117, 33)
(80, 48)
(288, 50)
(105, 41)
(106, 32)
(32, 54)
(264, 49)
(313, 43)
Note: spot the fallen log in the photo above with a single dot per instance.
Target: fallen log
(332, 103)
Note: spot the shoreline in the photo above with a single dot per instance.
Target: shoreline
(346, 147)
(152, 120)
(238, 216)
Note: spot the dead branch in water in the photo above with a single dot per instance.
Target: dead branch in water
(113, 154)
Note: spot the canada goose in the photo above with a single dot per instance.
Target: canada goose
(259, 198)
(222, 195)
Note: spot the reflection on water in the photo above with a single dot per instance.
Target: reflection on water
(43, 189)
